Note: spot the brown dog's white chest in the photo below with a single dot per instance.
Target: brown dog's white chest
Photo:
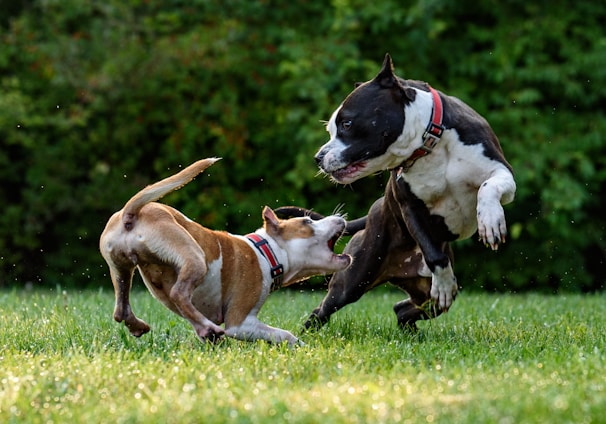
(233, 284)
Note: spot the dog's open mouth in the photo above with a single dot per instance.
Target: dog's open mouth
(350, 172)
(333, 241)
(338, 260)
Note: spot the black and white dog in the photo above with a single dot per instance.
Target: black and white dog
(449, 178)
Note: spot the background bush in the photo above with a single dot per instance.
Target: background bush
(98, 99)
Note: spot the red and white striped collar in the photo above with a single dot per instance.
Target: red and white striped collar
(277, 269)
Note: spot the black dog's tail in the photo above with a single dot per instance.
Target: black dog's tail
(351, 227)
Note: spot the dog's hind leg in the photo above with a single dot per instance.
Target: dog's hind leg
(173, 265)
(372, 250)
(415, 279)
(121, 268)
(418, 306)
(349, 285)
(122, 280)
(340, 294)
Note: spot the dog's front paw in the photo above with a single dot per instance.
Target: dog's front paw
(444, 295)
(287, 337)
(492, 228)
(292, 343)
(444, 287)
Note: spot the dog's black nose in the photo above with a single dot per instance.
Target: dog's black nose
(318, 157)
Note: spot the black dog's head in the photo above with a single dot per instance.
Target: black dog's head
(365, 128)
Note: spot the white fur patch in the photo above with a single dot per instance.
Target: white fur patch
(447, 181)
(444, 286)
(207, 297)
(253, 329)
(497, 190)
(423, 270)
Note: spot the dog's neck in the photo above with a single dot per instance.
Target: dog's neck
(431, 136)
(294, 269)
(276, 266)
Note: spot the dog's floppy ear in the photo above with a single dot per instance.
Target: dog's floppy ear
(270, 221)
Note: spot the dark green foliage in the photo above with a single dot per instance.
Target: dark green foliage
(98, 99)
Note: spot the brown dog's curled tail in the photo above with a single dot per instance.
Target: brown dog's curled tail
(155, 191)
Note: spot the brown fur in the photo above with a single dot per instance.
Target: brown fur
(207, 277)
(291, 230)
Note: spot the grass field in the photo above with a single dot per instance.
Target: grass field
(491, 359)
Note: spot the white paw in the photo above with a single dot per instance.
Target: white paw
(492, 228)
(443, 287)
(298, 343)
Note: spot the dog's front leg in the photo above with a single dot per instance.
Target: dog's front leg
(497, 190)
(253, 329)
(443, 281)
(181, 295)
(443, 285)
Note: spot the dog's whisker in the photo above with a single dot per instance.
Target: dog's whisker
(339, 211)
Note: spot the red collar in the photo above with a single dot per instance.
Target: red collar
(431, 136)
(277, 269)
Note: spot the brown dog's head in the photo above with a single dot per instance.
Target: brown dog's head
(308, 243)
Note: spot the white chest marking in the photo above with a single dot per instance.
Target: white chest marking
(448, 179)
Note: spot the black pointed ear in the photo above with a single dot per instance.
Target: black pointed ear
(387, 62)
(270, 221)
(386, 78)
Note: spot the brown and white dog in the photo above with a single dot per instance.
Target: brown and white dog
(212, 277)
(449, 179)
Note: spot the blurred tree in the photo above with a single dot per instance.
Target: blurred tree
(98, 99)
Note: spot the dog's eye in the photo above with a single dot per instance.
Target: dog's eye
(346, 125)
(308, 221)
